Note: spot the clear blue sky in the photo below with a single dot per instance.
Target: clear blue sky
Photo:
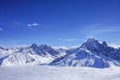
(58, 22)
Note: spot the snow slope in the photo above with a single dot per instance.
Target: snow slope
(91, 53)
(33, 55)
(58, 73)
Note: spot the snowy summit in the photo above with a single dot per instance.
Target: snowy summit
(90, 54)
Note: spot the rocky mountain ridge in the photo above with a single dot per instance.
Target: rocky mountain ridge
(91, 53)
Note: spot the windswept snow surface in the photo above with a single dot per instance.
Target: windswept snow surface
(58, 73)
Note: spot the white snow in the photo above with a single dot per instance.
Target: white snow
(114, 45)
(58, 73)
(58, 47)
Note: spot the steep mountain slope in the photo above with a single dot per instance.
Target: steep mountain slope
(90, 54)
(28, 55)
(101, 49)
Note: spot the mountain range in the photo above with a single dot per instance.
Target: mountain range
(91, 53)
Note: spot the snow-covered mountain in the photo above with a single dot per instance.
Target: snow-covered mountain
(33, 54)
(92, 53)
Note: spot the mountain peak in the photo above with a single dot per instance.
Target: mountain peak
(104, 43)
(1, 48)
(91, 40)
(44, 46)
(34, 45)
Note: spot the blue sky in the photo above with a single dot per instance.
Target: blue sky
(58, 22)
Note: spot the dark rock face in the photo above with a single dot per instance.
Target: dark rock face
(102, 49)
(37, 50)
(49, 50)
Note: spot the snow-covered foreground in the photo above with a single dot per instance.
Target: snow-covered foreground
(58, 73)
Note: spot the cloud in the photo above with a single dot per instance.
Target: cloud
(100, 28)
(90, 37)
(114, 45)
(68, 40)
(108, 30)
(33, 24)
(72, 39)
(58, 47)
(1, 29)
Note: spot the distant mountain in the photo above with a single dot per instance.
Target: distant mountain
(33, 55)
(91, 53)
